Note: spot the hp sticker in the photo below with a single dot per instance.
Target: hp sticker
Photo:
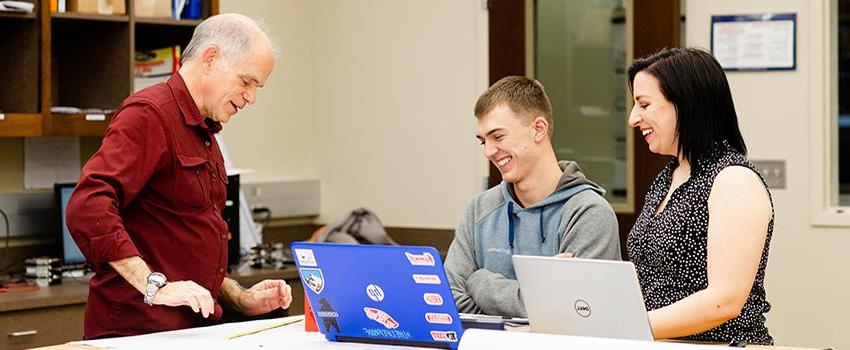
(374, 292)
(305, 257)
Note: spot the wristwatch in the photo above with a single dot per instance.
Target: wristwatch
(156, 280)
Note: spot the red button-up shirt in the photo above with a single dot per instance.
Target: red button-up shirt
(155, 189)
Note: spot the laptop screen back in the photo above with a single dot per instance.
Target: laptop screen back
(597, 298)
(379, 294)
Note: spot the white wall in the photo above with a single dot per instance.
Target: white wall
(807, 279)
(275, 137)
(374, 98)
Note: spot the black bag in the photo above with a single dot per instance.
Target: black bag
(360, 227)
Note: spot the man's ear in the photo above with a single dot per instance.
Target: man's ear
(209, 55)
(541, 128)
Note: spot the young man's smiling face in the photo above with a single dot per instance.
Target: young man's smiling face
(509, 142)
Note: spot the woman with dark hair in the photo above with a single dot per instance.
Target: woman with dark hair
(700, 244)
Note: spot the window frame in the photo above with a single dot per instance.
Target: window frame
(824, 184)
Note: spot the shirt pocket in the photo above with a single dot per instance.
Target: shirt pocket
(191, 187)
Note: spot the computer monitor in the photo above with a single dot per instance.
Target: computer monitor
(69, 253)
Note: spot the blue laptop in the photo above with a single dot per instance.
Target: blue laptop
(396, 295)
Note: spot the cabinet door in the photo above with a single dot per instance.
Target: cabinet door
(41, 327)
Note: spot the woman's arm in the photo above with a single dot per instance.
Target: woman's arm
(739, 213)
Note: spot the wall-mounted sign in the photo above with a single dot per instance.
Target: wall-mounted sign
(755, 42)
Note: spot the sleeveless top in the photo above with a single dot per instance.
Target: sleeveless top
(669, 249)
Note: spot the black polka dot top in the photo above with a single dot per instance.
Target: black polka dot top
(669, 249)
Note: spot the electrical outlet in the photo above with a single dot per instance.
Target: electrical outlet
(773, 172)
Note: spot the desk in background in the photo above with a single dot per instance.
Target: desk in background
(54, 315)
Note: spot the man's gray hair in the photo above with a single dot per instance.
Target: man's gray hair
(231, 33)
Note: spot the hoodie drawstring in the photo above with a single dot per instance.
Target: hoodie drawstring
(542, 234)
(511, 226)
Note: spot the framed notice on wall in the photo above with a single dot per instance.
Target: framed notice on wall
(755, 42)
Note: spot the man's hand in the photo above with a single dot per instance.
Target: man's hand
(565, 255)
(186, 293)
(264, 297)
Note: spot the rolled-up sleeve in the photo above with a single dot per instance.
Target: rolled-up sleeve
(132, 150)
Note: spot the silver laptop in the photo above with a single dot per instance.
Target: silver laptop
(595, 298)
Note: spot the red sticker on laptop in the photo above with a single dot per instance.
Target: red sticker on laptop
(426, 279)
(433, 299)
(381, 317)
(438, 318)
(446, 336)
(424, 259)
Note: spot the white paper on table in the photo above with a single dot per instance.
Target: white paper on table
(50, 160)
(495, 340)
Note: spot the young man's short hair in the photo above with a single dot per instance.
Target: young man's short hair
(524, 96)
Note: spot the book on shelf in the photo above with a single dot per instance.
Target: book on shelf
(155, 66)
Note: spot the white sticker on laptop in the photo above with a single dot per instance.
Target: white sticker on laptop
(446, 336)
(433, 299)
(426, 279)
(374, 292)
(381, 317)
(305, 257)
(438, 318)
(314, 279)
(424, 259)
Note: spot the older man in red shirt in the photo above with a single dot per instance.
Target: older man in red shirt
(147, 209)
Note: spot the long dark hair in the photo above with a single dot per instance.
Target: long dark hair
(693, 81)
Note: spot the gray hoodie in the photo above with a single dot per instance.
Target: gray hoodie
(575, 218)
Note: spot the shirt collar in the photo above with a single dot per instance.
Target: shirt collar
(188, 109)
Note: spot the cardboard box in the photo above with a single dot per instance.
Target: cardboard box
(103, 7)
(153, 8)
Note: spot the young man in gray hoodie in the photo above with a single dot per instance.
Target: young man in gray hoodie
(543, 207)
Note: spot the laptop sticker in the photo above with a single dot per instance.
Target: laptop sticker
(305, 257)
(387, 333)
(374, 292)
(314, 279)
(446, 336)
(426, 279)
(433, 299)
(381, 317)
(328, 315)
(438, 318)
(424, 259)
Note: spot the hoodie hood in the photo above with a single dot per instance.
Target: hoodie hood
(572, 182)
(572, 177)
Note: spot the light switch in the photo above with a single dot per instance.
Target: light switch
(773, 172)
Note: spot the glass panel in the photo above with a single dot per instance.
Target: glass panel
(843, 102)
(580, 57)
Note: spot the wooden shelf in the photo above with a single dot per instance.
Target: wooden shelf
(19, 15)
(76, 59)
(20, 125)
(168, 21)
(90, 17)
(76, 125)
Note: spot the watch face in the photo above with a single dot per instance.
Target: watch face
(157, 278)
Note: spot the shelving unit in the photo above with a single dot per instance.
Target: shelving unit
(78, 60)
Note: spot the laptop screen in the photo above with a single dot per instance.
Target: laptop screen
(379, 294)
